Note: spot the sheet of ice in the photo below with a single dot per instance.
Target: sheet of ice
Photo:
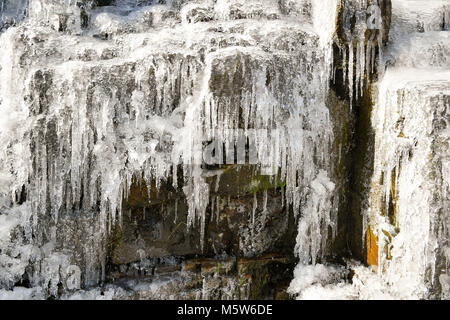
(409, 16)
(311, 281)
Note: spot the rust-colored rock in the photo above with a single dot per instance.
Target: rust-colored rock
(371, 248)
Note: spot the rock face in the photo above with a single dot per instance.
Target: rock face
(202, 149)
(408, 202)
(116, 103)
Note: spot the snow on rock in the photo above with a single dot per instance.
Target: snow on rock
(318, 281)
(409, 188)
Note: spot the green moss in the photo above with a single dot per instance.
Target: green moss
(264, 183)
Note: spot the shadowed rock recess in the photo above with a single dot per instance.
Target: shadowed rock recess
(212, 149)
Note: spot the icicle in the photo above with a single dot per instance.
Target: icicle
(373, 58)
(218, 209)
(219, 174)
(212, 209)
(368, 60)
(380, 52)
(344, 63)
(255, 206)
(362, 68)
(350, 73)
(265, 200)
(358, 69)
(202, 231)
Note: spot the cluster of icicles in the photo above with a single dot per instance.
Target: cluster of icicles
(358, 50)
(83, 168)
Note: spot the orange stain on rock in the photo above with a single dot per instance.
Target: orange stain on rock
(371, 248)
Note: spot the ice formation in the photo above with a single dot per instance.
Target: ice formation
(94, 97)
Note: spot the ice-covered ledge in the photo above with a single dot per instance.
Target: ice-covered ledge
(409, 190)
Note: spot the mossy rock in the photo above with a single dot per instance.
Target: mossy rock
(241, 180)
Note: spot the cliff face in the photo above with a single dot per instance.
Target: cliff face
(202, 149)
